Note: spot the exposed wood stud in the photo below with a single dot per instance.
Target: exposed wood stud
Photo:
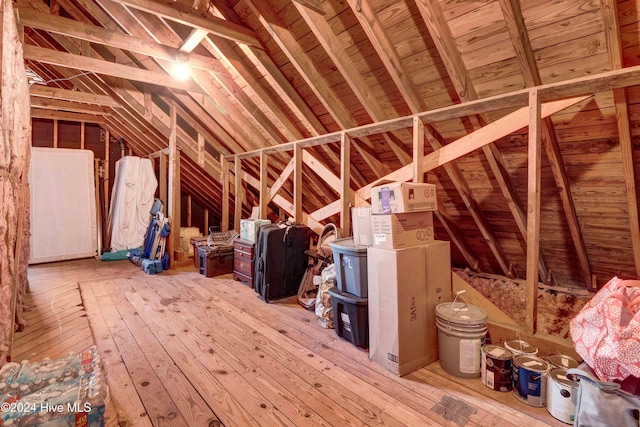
(55, 133)
(418, 150)
(297, 182)
(345, 180)
(264, 182)
(239, 194)
(173, 205)
(82, 135)
(533, 212)
(106, 178)
(224, 181)
(164, 181)
(205, 224)
(189, 206)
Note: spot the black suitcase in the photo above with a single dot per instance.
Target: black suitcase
(280, 259)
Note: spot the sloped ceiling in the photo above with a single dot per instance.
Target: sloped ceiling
(266, 72)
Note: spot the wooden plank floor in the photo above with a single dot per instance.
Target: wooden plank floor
(186, 350)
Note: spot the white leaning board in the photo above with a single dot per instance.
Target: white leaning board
(63, 205)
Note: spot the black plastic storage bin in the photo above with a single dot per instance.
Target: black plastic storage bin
(351, 317)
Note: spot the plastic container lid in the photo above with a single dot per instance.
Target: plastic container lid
(347, 245)
(347, 297)
(461, 313)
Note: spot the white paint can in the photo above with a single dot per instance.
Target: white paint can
(561, 396)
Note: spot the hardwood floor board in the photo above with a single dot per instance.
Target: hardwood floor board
(338, 351)
(375, 408)
(308, 405)
(191, 405)
(42, 324)
(246, 400)
(218, 355)
(125, 401)
(157, 402)
(52, 336)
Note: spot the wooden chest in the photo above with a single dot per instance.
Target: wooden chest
(243, 257)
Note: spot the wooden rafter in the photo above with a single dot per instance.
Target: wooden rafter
(439, 30)
(336, 51)
(526, 60)
(303, 64)
(614, 44)
(194, 18)
(281, 85)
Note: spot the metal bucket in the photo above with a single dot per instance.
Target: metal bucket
(530, 380)
(562, 361)
(518, 347)
(496, 367)
(561, 396)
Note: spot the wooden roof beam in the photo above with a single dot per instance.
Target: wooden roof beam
(324, 33)
(65, 59)
(71, 106)
(614, 44)
(303, 64)
(439, 30)
(526, 59)
(71, 95)
(195, 18)
(45, 113)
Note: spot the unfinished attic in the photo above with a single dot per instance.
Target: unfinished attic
(317, 212)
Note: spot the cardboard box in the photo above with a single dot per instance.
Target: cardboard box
(405, 286)
(249, 228)
(397, 231)
(361, 221)
(403, 197)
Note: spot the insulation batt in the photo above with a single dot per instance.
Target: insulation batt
(555, 309)
(15, 143)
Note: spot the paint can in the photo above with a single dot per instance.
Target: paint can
(461, 331)
(530, 380)
(562, 361)
(496, 367)
(561, 396)
(519, 347)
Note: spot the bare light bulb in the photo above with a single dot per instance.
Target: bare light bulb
(181, 71)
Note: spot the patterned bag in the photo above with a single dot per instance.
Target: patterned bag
(606, 332)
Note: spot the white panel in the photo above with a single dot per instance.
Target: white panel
(63, 205)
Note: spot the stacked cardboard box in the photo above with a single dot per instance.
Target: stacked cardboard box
(409, 273)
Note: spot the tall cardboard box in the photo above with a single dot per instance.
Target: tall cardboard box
(405, 285)
(397, 231)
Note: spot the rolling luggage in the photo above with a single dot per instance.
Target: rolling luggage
(280, 259)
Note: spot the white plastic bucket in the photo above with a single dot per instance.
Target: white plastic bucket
(461, 331)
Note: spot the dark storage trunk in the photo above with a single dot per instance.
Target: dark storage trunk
(280, 259)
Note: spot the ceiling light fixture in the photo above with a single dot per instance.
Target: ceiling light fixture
(180, 69)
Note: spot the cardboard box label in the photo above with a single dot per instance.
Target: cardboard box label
(396, 231)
